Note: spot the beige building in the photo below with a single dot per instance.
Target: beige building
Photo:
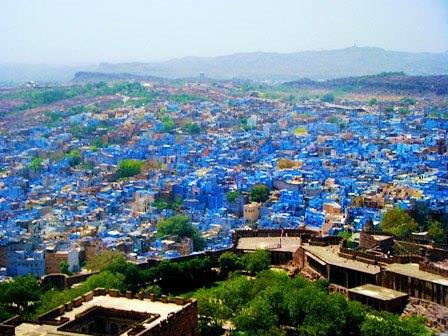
(252, 211)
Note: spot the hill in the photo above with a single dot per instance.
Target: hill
(384, 82)
(323, 64)
(318, 65)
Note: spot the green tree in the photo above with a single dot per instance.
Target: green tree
(373, 101)
(437, 232)
(74, 157)
(397, 222)
(168, 124)
(257, 316)
(129, 168)
(152, 289)
(192, 128)
(390, 324)
(133, 277)
(180, 226)
(259, 193)
(64, 268)
(20, 293)
(228, 262)
(232, 196)
(105, 279)
(408, 101)
(257, 261)
(36, 164)
(212, 314)
(54, 298)
(102, 261)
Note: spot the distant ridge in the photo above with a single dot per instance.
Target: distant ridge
(317, 65)
(385, 82)
(88, 77)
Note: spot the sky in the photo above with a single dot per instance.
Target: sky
(81, 32)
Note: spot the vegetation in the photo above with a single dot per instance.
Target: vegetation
(328, 98)
(397, 222)
(102, 261)
(54, 298)
(264, 304)
(74, 157)
(408, 101)
(244, 125)
(192, 128)
(229, 262)
(35, 165)
(259, 193)
(232, 196)
(253, 263)
(257, 261)
(299, 131)
(180, 226)
(437, 232)
(129, 168)
(372, 101)
(168, 124)
(114, 273)
(260, 305)
(285, 163)
(184, 98)
(162, 204)
(19, 296)
(64, 268)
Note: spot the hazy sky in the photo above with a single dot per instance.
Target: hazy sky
(90, 31)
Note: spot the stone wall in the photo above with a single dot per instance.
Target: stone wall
(63, 281)
(304, 233)
(435, 315)
(182, 323)
(7, 328)
(431, 268)
(375, 259)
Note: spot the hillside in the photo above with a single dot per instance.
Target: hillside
(318, 65)
(385, 82)
(324, 64)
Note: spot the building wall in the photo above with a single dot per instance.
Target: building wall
(252, 211)
(418, 288)
(183, 323)
(53, 261)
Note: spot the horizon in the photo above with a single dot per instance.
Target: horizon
(216, 56)
(80, 33)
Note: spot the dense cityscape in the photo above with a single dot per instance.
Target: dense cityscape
(169, 169)
(224, 168)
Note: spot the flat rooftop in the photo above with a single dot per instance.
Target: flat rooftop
(412, 270)
(145, 306)
(288, 244)
(329, 255)
(378, 292)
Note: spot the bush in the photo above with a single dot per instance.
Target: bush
(257, 261)
(180, 226)
(232, 196)
(285, 163)
(398, 223)
(259, 193)
(328, 98)
(129, 168)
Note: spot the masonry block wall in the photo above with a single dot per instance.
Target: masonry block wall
(183, 323)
